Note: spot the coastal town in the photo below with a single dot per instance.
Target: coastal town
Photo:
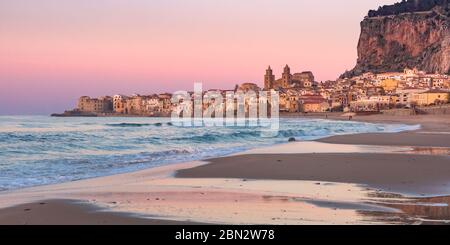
(299, 93)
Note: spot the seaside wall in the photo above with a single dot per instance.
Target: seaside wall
(431, 110)
(399, 112)
(435, 110)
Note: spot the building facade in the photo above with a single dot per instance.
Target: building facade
(95, 105)
(298, 80)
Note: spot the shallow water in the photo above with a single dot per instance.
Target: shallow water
(37, 150)
(411, 210)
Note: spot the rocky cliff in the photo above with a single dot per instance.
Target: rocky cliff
(392, 42)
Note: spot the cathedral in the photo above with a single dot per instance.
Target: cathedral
(288, 80)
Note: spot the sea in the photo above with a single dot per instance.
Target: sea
(41, 150)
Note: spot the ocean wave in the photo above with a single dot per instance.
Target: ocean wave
(129, 124)
(213, 137)
(91, 147)
(247, 135)
(42, 137)
(400, 128)
(166, 153)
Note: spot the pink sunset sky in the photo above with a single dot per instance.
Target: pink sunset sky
(53, 51)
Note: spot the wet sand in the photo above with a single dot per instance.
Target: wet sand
(69, 212)
(413, 211)
(400, 173)
(418, 138)
(155, 193)
(358, 179)
(423, 171)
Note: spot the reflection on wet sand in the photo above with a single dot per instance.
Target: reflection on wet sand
(417, 210)
(430, 151)
(423, 210)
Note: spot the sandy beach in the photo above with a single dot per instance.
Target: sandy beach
(350, 179)
(382, 171)
(71, 212)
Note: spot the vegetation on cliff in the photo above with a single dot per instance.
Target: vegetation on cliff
(408, 7)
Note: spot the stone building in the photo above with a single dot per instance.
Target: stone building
(249, 87)
(288, 80)
(153, 104)
(313, 103)
(269, 79)
(304, 79)
(431, 97)
(119, 103)
(95, 105)
(166, 102)
(137, 105)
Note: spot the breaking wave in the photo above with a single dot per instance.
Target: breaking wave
(42, 150)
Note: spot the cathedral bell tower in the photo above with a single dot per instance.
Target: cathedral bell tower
(269, 78)
(286, 77)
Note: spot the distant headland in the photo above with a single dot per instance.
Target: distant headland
(410, 34)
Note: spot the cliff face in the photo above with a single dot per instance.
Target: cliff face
(406, 40)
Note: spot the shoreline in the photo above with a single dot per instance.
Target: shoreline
(349, 199)
(74, 212)
(234, 152)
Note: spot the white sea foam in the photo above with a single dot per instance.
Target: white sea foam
(42, 150)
